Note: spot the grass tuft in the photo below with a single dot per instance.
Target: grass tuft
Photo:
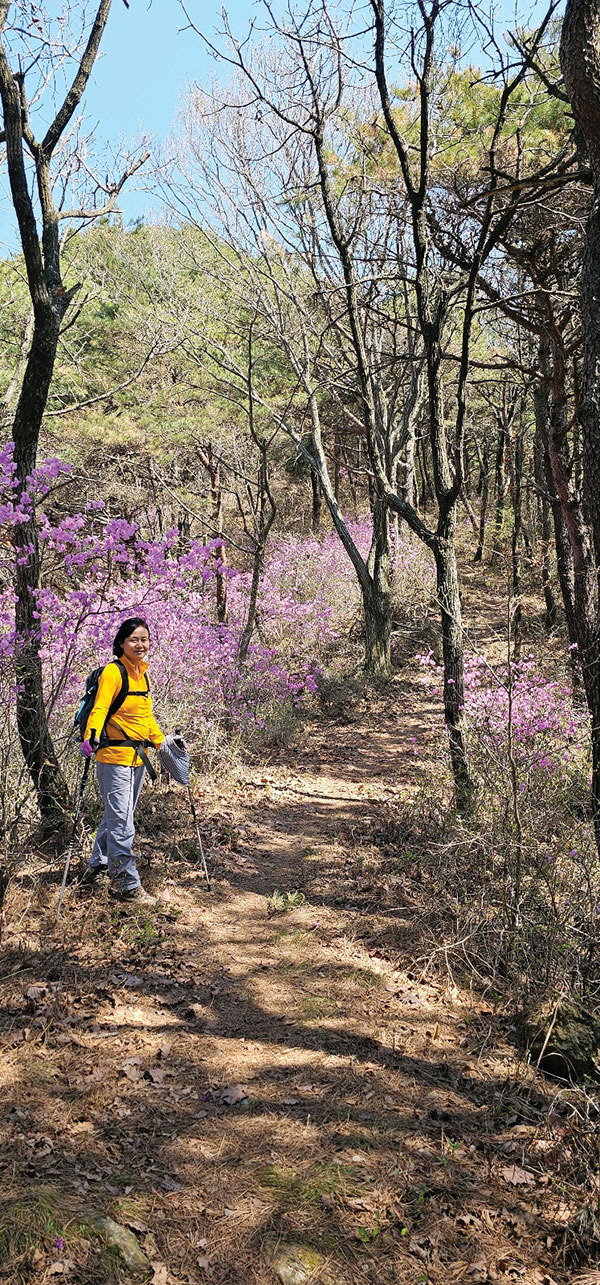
(296, 1190)
(31, 1221)
(279, 902)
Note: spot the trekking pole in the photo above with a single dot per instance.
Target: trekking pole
(204, 866)
(179, 743)
(63, 885)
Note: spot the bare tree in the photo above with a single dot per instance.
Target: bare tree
(437, 302)
(261, 508)
(281, 267)
(42, 243)
(306, 137)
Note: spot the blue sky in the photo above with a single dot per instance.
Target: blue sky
(147, 59)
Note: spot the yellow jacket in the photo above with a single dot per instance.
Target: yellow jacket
(134, 718)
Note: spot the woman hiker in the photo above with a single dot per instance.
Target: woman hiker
(120, 769)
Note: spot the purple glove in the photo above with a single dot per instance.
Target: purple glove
(86, 749)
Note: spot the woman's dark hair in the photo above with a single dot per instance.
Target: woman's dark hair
(125, 630)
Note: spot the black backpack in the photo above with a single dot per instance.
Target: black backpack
(86, 703)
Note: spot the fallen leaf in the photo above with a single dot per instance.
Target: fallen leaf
(135, 1224)
(161, 1274)
(232, 1094)
(131, 1068)
(93, 1075)
(155, 1074)
(478, 1272)
(468, 1223)
(517, 1176)
(195, 1012)
(169, 1184)
(36, 992)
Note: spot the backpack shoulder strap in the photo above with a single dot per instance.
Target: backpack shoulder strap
(121, 695)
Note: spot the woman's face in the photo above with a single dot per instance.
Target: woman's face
(136, 647)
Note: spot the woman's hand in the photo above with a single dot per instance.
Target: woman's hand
(86, 749)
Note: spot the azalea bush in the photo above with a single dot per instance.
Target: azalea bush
(96, 570)
(526, 863)
(526, 714)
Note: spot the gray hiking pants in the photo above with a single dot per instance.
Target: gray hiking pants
(113, 846)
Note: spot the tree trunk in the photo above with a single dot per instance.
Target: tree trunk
(514, 459)
(248, 630)
(448, 593)
(566, 580)
(427, 493)
(336, 465)
(316, 502)
(484, 483)
(580, 61)
(220, 552)
(378, 625)
(377, 602)
(470, 512)
(541, 407)
(183, 534)
(408, 482)
(36, 741)
(585, 603)
(500, 493)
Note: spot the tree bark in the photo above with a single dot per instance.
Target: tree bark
(580, 61)
(500, 485)
(317, 503)
(376, 596)
(514, 459)
(541, 408)
(34, 734)
(484, 482)
(448, 593)
(265, 519)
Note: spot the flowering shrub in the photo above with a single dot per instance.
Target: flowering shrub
(549, 734)
(95, 573)
(523, 869)
(308, 598)
(97, 570)
(547, 728)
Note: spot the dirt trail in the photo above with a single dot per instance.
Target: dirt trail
(220, 1074)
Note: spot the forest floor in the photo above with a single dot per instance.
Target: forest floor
(294, 1060)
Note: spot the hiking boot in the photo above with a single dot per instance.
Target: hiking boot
(133, 896)
(91, 875)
